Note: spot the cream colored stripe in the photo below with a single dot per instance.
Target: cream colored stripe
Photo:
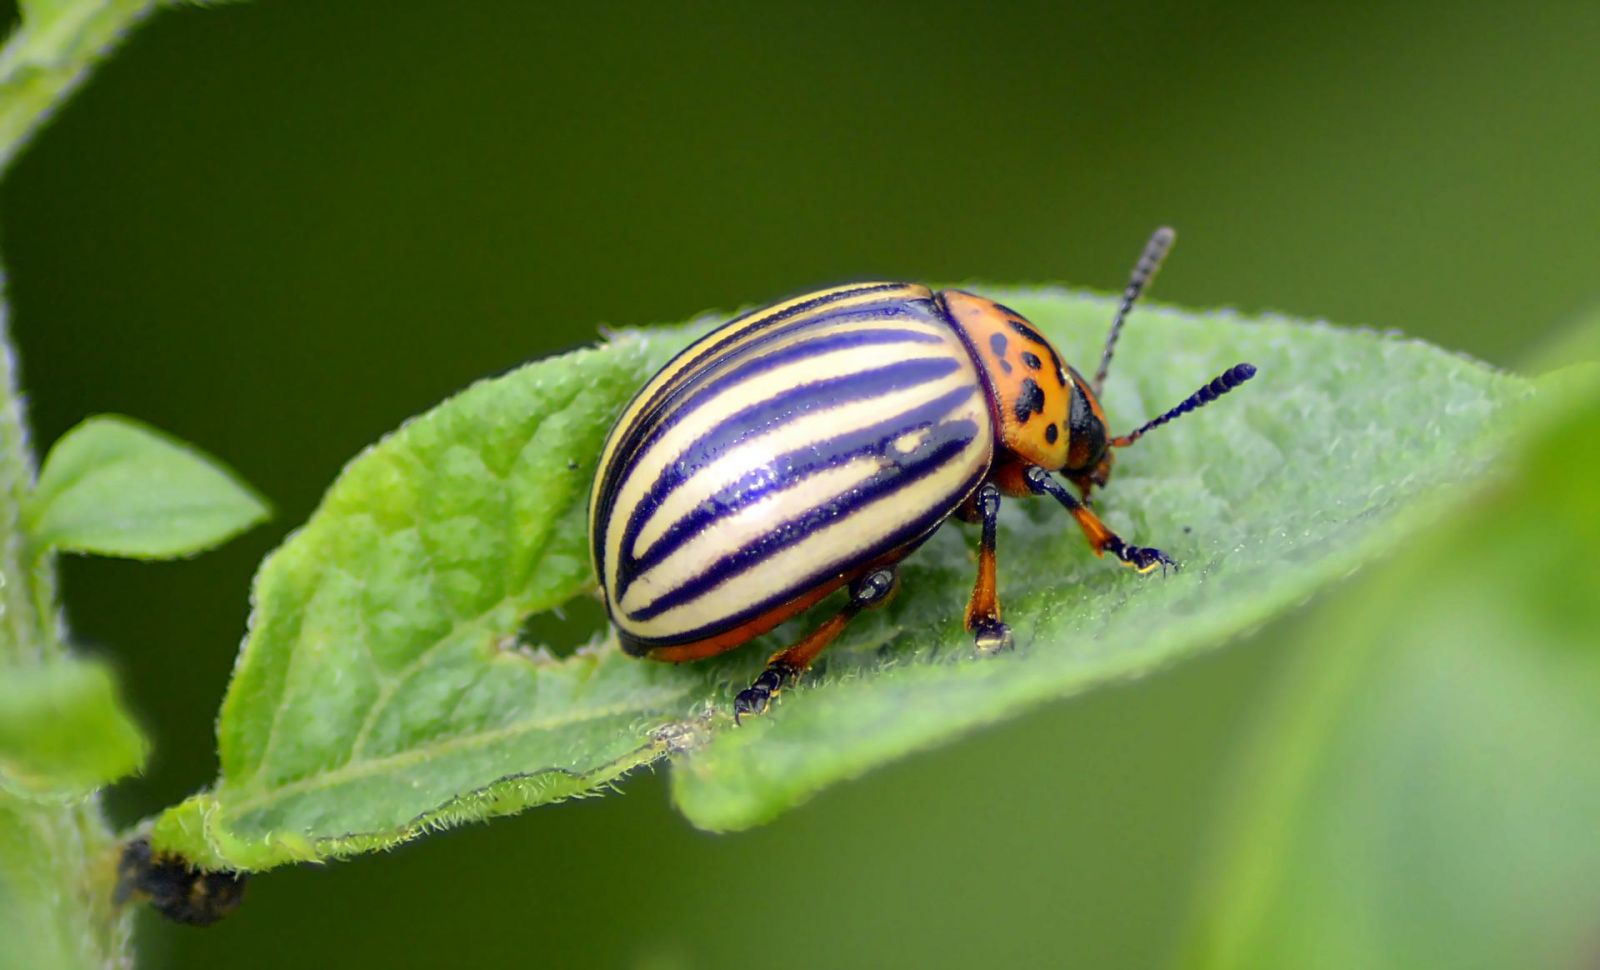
(758, 452)
(693, 355)
(707, 365)
(833, 546)
(647, 466)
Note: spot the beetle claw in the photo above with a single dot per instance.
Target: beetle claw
(992, 637)
(751, 700)
(1144, 559)
(756, 698)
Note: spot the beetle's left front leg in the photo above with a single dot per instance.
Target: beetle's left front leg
(983, 610)
(1101, 538)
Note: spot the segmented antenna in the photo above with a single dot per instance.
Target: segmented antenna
(1222, 384)
(1143, 272)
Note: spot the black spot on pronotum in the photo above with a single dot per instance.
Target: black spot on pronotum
(1051, 433)
(997, 343)
(1005, 365)
(1027, 332)
(1032, 360)
(1030, 400)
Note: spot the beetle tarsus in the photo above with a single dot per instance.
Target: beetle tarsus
(992, 637)
(756, 698)
(1143, 559)
(750, 701)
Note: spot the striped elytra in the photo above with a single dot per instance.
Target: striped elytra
(812, 444)
(781, 453)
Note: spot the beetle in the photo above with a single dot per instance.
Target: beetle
(815, 443)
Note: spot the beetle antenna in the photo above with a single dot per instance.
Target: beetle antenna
(1144, 272)
(1222, 384)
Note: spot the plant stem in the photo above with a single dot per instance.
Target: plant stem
(49, 54)
(57, 860)
(19, 619)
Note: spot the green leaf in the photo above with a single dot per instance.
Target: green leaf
(1424, 790)
(63, 730)
(379, 692)
(114, 487)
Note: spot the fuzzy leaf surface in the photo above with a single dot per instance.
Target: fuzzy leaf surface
(382, 689)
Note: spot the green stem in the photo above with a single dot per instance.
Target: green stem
(19, 618)
(50, 54)
(57, 860)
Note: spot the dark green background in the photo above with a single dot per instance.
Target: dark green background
(277, 229)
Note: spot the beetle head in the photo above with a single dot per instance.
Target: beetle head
(1089, 455)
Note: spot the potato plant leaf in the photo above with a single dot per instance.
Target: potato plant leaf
(63, 731)
(1421, 790)
(383, 688)
(115, 487)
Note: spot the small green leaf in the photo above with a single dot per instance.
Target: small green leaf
(380, 691)
(63, 730)
(114, 487)
(1424, 790)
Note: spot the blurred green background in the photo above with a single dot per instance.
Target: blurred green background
(277, 229)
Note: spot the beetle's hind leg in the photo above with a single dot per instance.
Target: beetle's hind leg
(785, 667)
(983, 610)
(1142, 559)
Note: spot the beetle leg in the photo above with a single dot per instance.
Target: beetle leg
(786, 666)
(983, 610)
(1101, 539)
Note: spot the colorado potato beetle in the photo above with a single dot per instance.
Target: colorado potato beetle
(813, 444)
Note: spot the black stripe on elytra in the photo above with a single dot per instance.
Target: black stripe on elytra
(649, 419)
(904, 539)
(779, 474)
(703, 395)
(711, 343)
(776, 411)
(1030, 401)
(757, 357)
(948, 440)
(753, 322)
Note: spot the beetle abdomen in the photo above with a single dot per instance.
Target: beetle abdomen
(780, 453)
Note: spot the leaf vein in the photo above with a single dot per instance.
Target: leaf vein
(353, 771)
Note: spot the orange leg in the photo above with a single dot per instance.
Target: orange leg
(983, 610)
(786, 666)
(1101, 539)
